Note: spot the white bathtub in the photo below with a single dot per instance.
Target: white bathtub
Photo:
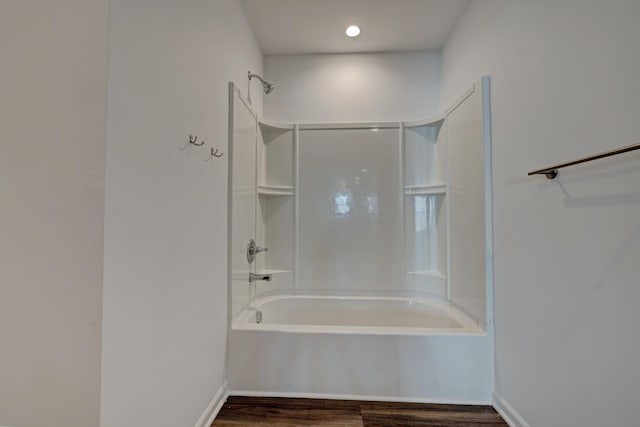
(369, 315)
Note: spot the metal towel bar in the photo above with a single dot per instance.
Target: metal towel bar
(552, 171)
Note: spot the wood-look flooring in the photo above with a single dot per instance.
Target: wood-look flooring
(283, 412)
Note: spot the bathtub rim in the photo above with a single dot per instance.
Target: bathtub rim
(470, 326)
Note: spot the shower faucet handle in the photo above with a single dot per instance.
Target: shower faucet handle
(253, 249)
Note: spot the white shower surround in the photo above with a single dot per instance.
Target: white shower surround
(313, 356)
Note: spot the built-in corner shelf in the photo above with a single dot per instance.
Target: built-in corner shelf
(270, 126)
(275, 210)
(434, 274)
(243, 276)
(431, 122)
(271, 271)
(275, 190)
(424, 164)
(424, 190)
(432, 282)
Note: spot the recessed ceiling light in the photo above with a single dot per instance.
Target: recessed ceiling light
(353, 30)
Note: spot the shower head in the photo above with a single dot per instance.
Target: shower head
(266, 86)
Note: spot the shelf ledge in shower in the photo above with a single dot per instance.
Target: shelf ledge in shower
(268, 271)
(243, 276)
(275, 190)
(425, 190)
(367, 125)
(269, 124)
(427, 273)
(430, 122)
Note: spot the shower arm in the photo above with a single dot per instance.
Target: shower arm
(266, 86)
(251, 75)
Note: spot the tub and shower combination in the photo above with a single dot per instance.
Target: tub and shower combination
(371, 278)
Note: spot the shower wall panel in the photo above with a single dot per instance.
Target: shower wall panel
(243, 200)
(350, 210)
(467, 204)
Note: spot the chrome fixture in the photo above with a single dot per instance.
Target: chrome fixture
(258, 316)
(266, 86)
(552, 171)
(252, 250)
(253, 277)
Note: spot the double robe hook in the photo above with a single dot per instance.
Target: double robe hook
(214, 151)
(194, 140)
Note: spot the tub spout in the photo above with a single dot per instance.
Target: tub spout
(255, 277)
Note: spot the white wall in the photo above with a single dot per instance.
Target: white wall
(353, 87)
(564, 84)
(52, 141)
(165, 283)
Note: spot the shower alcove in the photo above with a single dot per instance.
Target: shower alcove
(378, 238)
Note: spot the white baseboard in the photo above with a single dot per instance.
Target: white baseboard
(507, 412)
(214, 406)
(356, 397)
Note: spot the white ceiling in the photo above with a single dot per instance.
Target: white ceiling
(285, 27)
